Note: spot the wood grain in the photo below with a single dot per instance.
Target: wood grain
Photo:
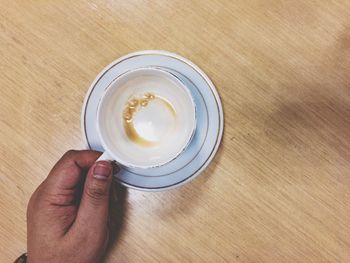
(279, 188)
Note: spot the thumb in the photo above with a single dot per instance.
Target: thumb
(93, 209)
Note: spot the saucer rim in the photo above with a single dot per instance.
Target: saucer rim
(207, 80)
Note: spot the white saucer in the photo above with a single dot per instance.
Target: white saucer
(210, 121)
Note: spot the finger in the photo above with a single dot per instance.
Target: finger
(67, 172)
(93, 209)
(82, 159)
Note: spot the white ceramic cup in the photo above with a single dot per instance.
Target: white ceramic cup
(160, 131)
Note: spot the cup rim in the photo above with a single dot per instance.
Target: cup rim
(110, 87)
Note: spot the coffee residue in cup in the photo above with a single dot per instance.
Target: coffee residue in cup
(134, 105)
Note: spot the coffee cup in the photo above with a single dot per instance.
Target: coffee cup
(145, 118)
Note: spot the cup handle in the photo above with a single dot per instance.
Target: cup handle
(105, 157)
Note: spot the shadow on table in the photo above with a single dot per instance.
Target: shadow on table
(321, 122)
(117, 215)
(181, 200)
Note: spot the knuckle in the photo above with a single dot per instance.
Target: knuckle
(35, 201)
(96, 193)
(70, 153)
(35, 198)
(70, 169)
(59, 199)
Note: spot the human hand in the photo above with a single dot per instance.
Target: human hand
(67, 216)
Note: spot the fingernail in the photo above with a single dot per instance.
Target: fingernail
(102, 170)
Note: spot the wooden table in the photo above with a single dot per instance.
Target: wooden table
(279, 187)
